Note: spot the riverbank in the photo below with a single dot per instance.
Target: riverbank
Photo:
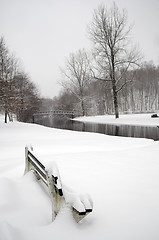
(127, 119)
(120, 174)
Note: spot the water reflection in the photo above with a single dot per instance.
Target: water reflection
(115, 130)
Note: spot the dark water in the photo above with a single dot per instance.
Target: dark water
(120, 130)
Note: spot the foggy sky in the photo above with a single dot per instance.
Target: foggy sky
(42, 33)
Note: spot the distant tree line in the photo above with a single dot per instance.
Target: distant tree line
(18, 95)
(112, 78)
(140, 95)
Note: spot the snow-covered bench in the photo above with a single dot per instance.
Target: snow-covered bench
(81, 205)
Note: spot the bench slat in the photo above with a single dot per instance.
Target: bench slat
(36, 160)
(37, 168)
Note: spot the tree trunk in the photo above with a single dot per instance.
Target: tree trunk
(115, 99)
(116, 105)
(82, 106)
(5, 118)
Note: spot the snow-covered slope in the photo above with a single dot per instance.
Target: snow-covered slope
(120, 174)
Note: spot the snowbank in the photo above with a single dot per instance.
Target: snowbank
(120, 174)
(128, 119)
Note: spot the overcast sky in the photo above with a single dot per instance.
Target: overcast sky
(42, 33)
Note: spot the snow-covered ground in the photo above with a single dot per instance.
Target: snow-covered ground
(128, 119)
(120, 174)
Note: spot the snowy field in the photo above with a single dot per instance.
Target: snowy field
(120, 174)
(128, 119)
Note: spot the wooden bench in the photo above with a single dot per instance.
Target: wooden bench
(81, 206)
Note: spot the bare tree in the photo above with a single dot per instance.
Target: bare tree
(65, 101)
(77, 76)
(18, 94)
(8, 70)
(27, 96)
(113, 54)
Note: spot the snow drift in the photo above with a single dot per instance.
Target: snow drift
(120, 174)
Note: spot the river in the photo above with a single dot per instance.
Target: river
(109, 129)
